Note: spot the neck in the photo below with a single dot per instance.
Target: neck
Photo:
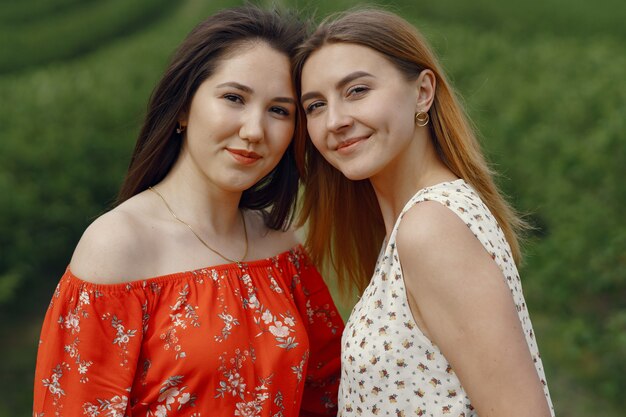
(197, 202)
(417, 168)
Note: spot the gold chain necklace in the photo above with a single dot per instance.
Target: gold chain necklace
(245, 232)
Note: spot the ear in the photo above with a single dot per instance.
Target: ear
(183, 118)
(426, 85)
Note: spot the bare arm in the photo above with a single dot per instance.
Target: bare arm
(465, 307)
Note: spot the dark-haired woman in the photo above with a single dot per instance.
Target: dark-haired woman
(192, 297)
(441, 327)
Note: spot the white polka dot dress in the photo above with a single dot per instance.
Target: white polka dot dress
(389, 367)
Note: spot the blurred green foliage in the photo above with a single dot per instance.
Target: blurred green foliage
(526, 21)
(31, 37)
(20, 12)
(543, 80)
(551, 113)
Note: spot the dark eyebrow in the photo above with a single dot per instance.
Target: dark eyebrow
(351, 77)
(287, 100)
(339, 85)
(238, 86)
(249, 90)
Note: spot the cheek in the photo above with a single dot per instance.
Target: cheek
(282, 137)
(397, 122)
(314, 128)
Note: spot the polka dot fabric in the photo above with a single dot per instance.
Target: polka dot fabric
(389, 367)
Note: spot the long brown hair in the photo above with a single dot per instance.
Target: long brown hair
(347, 211)
(196, 59)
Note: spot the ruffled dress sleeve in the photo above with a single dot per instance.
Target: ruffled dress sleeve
(324, 328)
(88, 350)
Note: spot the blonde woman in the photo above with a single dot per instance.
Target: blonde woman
(441, 327)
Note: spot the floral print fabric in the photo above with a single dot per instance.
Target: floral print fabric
(252, 339)
(389, 367)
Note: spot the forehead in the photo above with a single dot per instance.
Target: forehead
(335, 60)
(255, 63)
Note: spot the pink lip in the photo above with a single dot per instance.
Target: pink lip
(347, 145)
(244, 157)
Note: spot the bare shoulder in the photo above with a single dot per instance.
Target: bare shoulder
(449, 276)
(434, 243)
(463, 304)
(428, 224)
(111, 247)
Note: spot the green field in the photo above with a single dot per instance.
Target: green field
(543, 80)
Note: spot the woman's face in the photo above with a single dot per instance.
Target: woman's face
(241, 119)
(360, 109)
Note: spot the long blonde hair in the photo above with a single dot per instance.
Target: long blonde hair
(345, 225)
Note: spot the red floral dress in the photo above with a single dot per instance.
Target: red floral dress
(259, 338)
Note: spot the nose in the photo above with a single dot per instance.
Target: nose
(337, 119)
(252, 128)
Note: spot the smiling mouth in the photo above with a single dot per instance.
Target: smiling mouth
(346, 145)
(244, 157)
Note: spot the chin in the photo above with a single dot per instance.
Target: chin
(355, 174)
(239, 185)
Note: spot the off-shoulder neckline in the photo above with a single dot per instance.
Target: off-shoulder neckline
(176, 276)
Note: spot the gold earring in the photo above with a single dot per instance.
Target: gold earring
(421, 118)
(180, 128)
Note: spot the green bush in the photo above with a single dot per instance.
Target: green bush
(78, 29)
(551, 117)
(19, 12)
(527, 21)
